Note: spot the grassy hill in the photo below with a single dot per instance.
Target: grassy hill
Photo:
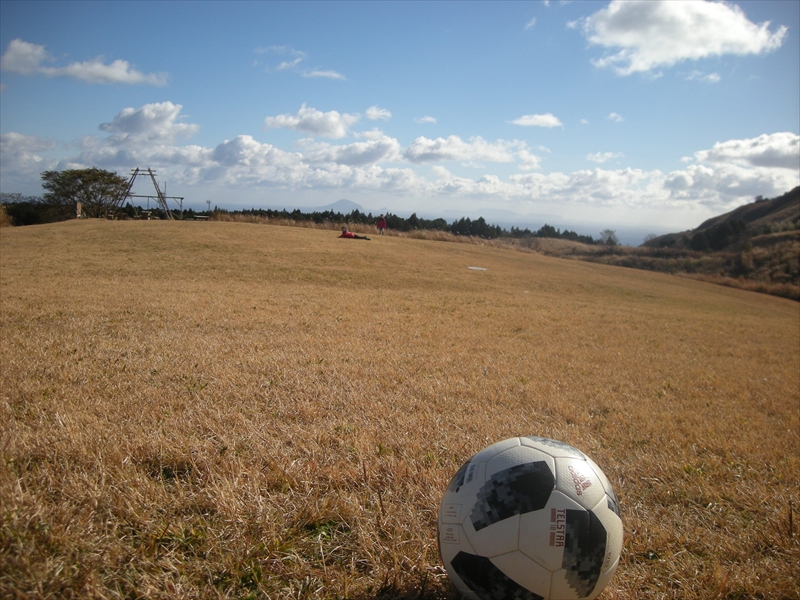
(762, 213)
(755, 247)
(228, 410)
(760, 218)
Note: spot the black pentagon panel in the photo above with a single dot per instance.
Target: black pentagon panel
(584, 550)
(458, 479)
(487, 581)
(613, 503)
(515, 491)
(556, 444)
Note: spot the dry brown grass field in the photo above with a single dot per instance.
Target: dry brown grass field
(232, 410)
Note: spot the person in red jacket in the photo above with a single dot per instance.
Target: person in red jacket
(381, 224)
(351, 235)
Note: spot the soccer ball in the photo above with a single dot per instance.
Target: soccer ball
(530, 518)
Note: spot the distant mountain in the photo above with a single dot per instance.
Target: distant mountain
(343, 206)
(758, 217)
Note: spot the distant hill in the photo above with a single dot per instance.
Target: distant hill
(343, 206)
(754, 219)
(779, 210)
(754, 247)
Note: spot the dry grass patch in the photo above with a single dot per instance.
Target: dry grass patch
(229, 410)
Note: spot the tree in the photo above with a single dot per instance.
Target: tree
(699, 241)
(31, 210)
(96, 189)
(649, 238)
(609, 237)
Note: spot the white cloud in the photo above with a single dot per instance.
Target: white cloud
(424, 120)
(450, 185)
(291, 60)
(528, 161)
(143, 136)
(292, 57)
(545, 120)
(778, 150)
(617, 118)
(727, 185)
(662, 33)
(609, 188)
(423, 150)
(375, 149)
(736, 170)
(95, 71)
(601, 157)
(289, 64)
(12, 142)
(530, 24)
(324, 74)
(374, 113)
(698, 76)
(20, 157)
(244, 151)
(331, 124)
(26, 59)
(23, 57)
(151, 121)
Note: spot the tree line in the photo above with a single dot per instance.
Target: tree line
(463, 226)
(97, 192)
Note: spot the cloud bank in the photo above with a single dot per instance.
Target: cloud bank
(719, 178)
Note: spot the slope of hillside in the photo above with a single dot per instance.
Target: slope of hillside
(764, 216)
(755, 247)
(776, 212)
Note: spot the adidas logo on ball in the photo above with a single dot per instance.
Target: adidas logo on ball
(581, 482)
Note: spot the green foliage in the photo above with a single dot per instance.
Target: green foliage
(699, 242)
(478, 228)
(609, 237)
(32, 210)
(719, 236)
(97, 190)
(463, 226)
(548, 231)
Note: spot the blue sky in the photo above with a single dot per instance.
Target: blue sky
(645, 115)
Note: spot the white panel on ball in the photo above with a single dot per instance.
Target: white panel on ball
(542, 534)
(577, 480)
(517, 456)
(491, 451)
(500, 538)
(613, 526)
(552, 447)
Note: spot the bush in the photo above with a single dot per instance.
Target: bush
(34, 211)
(5, 220)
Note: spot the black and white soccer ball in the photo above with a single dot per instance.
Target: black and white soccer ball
(530, 518)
